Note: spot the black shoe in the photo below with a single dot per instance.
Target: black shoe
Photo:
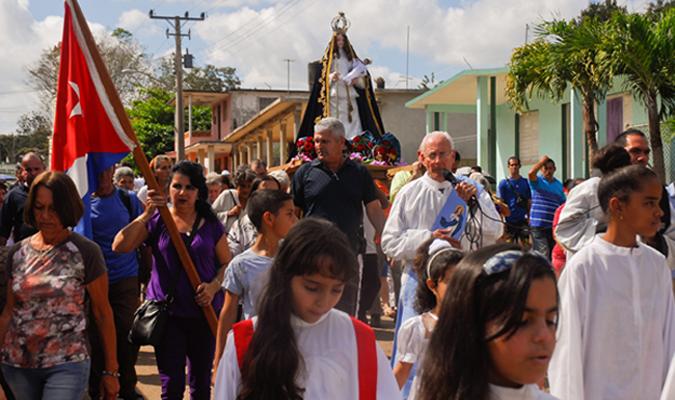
(135, 395)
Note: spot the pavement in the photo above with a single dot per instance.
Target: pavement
(148, 377)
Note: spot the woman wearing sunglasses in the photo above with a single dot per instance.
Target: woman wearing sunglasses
(187, 335)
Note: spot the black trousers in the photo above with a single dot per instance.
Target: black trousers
(349, 297)
(370, 284)
(124, 300)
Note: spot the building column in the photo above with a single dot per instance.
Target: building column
(601, 117)
(444, 121)
(577, 139)
(430, 120)
(259, 148)
(249, 153)
(211, 154)
(268, 147)
(296, 125)
(241, 160)
(482, 122)
(282, 144)
(201, 154)
(234, 158)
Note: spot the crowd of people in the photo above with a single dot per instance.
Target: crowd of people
(537, 290)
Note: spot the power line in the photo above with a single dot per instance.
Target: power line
(257, 29)
(250, 28)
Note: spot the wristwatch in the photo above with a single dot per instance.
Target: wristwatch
(111, 373)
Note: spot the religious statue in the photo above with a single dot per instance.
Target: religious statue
(343, 89)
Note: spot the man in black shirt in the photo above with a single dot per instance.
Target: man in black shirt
(11, 217)
(335, 188)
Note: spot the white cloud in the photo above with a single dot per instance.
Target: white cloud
(482, 31)
(22, 40)
(135, 21)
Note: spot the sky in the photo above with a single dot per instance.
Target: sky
(256, 36)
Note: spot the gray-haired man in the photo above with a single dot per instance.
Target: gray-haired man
(335, 188)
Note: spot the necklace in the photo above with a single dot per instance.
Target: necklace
(42, 250)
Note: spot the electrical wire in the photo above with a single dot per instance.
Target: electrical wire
(249, 28)
(228, 46)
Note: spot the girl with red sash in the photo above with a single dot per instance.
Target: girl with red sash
(299, 347)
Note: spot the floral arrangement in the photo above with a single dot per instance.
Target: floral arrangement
(305, 149)
(385, 151)
(363, 145)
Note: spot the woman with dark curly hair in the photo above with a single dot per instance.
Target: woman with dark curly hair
(187, 335)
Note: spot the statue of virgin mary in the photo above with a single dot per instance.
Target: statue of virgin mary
(342, 89)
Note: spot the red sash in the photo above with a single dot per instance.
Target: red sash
(365, 346)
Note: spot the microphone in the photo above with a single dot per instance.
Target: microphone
(450, 177)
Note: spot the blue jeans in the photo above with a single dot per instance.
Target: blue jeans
(542, 241)
(61, 382)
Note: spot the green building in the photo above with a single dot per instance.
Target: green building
(495, 131)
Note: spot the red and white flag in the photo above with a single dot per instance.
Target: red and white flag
(90, 135)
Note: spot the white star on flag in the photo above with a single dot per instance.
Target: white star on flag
(77, 110)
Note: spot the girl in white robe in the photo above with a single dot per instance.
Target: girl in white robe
(582, 215)
(434, 265)
(617, 325)
(496, 329)
(299, 347)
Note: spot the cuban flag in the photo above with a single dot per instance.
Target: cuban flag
(90, 127)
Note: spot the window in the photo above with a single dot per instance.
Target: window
(614, 118)
(528, 143)
(264, 102)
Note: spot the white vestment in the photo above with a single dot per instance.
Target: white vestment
(669, 387)
(414, 211)
(328, 349)
(616, 332)
(526, 392)
(580, 217)
(342, 93)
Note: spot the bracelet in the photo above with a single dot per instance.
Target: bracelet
(114, 374)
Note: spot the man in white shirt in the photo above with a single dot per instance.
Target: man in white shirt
(416, 208)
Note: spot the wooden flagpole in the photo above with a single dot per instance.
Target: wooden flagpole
(142, 163)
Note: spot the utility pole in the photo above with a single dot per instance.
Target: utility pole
(407, 58)
(527, 32)
(178, 121)
(288, 62)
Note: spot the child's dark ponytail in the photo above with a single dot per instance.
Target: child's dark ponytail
(432, 260)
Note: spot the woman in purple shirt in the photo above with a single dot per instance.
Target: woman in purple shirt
(187, 335)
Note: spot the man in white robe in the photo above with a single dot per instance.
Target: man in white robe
(616, 332)
(416, 207)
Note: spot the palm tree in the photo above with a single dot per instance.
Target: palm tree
(642, 49)
(565, 53)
